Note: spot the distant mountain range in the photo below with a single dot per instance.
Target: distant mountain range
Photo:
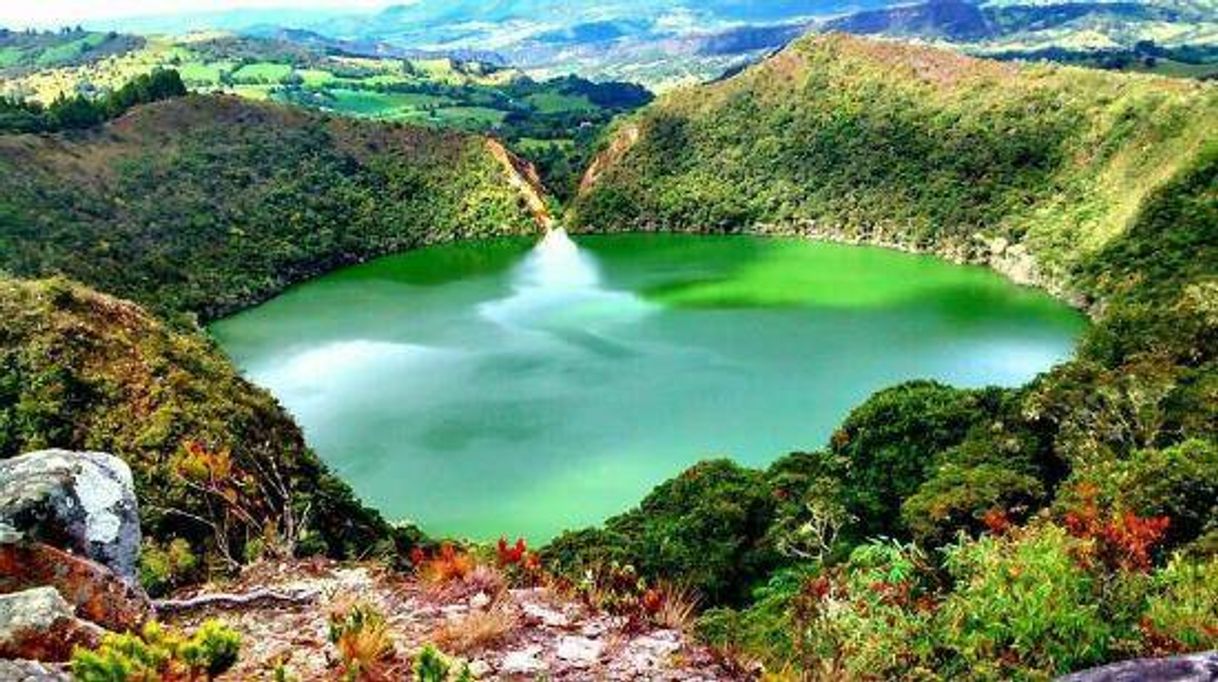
(669, 41)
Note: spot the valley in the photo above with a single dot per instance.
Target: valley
(867, 359)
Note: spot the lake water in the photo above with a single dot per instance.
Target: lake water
(514, 388)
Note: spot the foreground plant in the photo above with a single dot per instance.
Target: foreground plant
(157, 654)
(360, 635)
(431, 665)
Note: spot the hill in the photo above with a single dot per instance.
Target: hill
(217, 462)
(209, 203)
(554, 122)
(1031, 169)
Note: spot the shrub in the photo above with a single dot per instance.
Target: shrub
(707, 526)
(158, 654)
(1023, 605)
(958, 497)
(887, 445)
(168, 565)
(1179, 482)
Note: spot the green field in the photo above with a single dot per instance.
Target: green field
(262, 72)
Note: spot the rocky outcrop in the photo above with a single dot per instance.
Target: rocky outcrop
(94, 592)
(83, 502)
(1193, 668)
(39, 624)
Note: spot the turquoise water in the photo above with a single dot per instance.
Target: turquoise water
(507, 388)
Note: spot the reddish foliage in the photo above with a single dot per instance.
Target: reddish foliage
(1159, 643)
(819, 587)
(997, 521)
(652, 601)
(510, 555)
(446, 565)
(1123, 540)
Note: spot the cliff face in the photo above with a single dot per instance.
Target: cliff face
(1031, 170)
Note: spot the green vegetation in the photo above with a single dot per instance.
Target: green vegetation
(217, 462)
(22, 52)
(159, 654)
(79, 111)
(568, 113)
(945, 533)
(207, 204)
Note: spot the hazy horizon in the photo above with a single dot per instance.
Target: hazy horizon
(58, 13)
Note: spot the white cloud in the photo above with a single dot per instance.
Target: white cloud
(44, 13)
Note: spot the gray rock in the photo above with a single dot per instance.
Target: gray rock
(32, 671)
(40, 625)
(79, 501)
(524, 661)
(1193, 668)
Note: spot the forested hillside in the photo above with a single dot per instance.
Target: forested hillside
(209, 203)
(945, 533)
(883, 142)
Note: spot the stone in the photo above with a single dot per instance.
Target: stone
(480, 601)
(39, 625)
(83, 502)
(480, 669)
(32, 671)
(524, 661)
(1191, 668)
(95, 592)
(546, 616)
(579, 651)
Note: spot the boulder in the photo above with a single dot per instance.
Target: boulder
(32, 671)
(95, 592)
(83, 502)
(1192, 668)
(39, 625)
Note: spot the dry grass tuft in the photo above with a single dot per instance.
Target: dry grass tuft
(360, 635)
(678, 607)
(477, 630)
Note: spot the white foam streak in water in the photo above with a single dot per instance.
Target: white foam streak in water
(557, 287)
(318, 369)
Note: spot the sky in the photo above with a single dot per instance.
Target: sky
(54, 13)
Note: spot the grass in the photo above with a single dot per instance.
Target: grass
(262, 72)
(478, 630)
(384, 105)
(553, 102)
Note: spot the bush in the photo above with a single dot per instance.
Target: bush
(887, 445)
(1022, 606)
(159, 654)
(360, 635)
(705, 526)
(165, 566)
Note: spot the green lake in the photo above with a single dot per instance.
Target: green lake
(515, 388)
